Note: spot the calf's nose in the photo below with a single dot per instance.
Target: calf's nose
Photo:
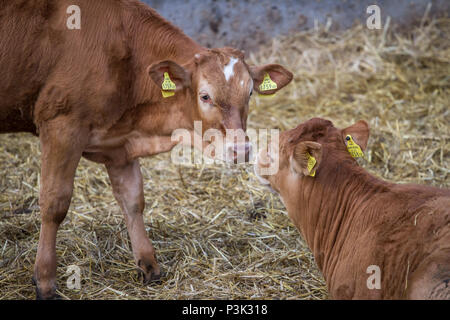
(239, 152)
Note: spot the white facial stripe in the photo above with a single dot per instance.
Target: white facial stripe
(242, 83)
(228, 71)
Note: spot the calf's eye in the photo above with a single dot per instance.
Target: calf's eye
(205, 98)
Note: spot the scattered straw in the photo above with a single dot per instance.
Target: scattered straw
(218, 233)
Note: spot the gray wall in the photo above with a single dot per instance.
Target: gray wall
(246, 24)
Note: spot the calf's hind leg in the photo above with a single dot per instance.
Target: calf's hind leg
(126, 180)
(61, 151)
(431, 280)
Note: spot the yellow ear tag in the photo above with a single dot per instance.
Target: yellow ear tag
(311, 163)
(167, 94)
(267, 85)
(353, 148)
(266, 96)
(167, 86)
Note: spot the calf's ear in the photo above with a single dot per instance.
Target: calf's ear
(359, 132)
(269, 78)
(306, 158)
(178, 75)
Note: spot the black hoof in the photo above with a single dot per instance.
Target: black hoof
(54, 296)
(153, 278)
(40, 296)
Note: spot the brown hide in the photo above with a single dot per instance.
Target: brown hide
(352, 220)
(96, 92)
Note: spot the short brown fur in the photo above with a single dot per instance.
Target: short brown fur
(95, 92)
(352, 220)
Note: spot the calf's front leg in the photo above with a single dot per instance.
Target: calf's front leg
(126, 181)
(61, 152)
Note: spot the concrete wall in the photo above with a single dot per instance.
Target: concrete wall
(246, 24)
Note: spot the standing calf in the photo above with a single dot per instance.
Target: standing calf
(355, 223)
(97, 92)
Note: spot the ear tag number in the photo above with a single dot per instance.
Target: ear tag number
(267, 84)
(311, 163)
(353, 148)
(168, 86)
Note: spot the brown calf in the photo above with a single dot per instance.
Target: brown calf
(360, 227)
(96, 92)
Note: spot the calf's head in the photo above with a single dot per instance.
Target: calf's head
(305, 152)
(218, 85)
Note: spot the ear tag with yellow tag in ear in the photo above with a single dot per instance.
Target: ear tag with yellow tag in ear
(267, 85)
(168, 87)
(353, 148)
(266, 96)
(311, 163)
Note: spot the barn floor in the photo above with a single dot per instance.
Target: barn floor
(217, 232)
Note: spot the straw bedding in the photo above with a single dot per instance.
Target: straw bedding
(217, 232)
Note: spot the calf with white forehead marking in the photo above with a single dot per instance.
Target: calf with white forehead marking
(228, 70)
(112, 91)
(224, 84)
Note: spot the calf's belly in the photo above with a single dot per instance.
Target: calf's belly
(16, 120)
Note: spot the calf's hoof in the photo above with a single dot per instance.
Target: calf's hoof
(45, 295)
(150, 272)
(151, 277)
(53, 296)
